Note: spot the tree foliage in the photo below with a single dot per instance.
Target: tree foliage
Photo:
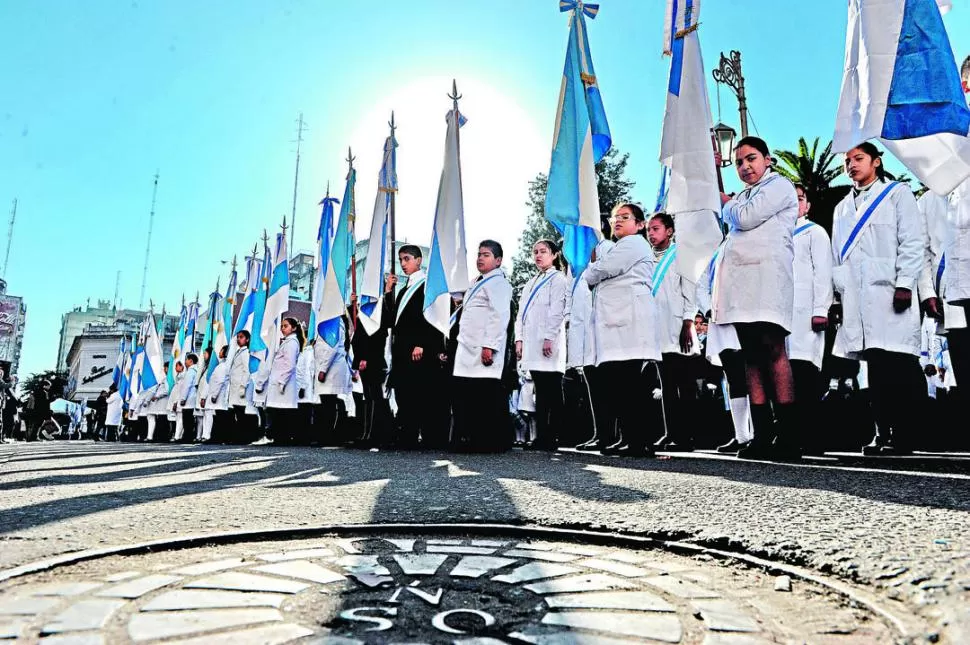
(613, 187)
(808, 167)
(33, 383)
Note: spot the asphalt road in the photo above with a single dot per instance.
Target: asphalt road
(903, 533)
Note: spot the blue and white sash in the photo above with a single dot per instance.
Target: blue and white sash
(478, 285)
(406, 298)
(712, 267)
(663, 266)
(861, 224)
(803, 228)
(535, 290)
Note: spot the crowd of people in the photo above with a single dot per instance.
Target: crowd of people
(791, 342)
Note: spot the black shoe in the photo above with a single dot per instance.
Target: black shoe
(894, 451)
(673, 446)
(589, 446)
(531, 445)
(875, 446)
(663, 441)
(730, 448)
(756, 449)
(641, 452)
(614, 449)
(782, 451)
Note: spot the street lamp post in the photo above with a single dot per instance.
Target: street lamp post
(729, 72)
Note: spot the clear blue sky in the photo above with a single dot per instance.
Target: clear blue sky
(98, 95)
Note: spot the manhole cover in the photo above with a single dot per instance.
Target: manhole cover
(418, 589)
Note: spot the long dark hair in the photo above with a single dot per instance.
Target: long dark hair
(298, 330)
(870, 150)
(638, 215)
(557, 261)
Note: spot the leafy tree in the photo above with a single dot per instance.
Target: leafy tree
(808, 167)
(33, 383)
(613, 187)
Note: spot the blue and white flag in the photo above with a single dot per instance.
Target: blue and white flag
(223, 323)
(448, 265)
(901, 85)
(380, 246)
(125, 380)
(259, 347)
(118, 372)
(177, 344)
(277, 295)
(328, 316)
(324, 241)
(581, 138)
(187, 335)
(244, 320)
(153, 369)
(686, 148)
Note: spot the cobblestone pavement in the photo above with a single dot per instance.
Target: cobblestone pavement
(902, 534)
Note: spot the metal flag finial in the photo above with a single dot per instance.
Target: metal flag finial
(265, 241)
(234, 262)
(283, 226)
(196, 296)
(391, 123)
(350, 158)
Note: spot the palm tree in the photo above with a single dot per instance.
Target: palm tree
(808, 167)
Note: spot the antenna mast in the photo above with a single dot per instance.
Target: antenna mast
(6, 257)
(148, 245)
(300, 127)
(114, 305)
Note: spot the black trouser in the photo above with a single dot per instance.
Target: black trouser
(111, 433)
(958, 341)
(188, 425)
(897, 388)
(549, 407)
(281, 424)
(326, 417)
(808, 396)
(303, 423)
(221, 426)
(578, 426)
(244, 426)
(376, 411)
(623, 389)
(679, 386)
(482, 419)
(603, 414)
(422, 409)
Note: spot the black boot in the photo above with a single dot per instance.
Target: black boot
(787, 445)
(760, 447)
(731, 447)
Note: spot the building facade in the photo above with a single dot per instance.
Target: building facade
(13, 319)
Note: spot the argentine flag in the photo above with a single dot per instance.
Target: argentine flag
(380, 246)
(177, 344)
(901, 85)
(325, 234)
(332, 304)
(448, 265)
(153, 370)
(259, 348)
(118, 371)
(223, 323)
(581, 138)
(690, 192)
(187, 336)
(247, 310)
(277, 295)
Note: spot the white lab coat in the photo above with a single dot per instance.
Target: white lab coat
(281, 390)
(947, 221)
(486, 309)
(675, 304)
(754, 281)
(189, 390)
(238, 376)
(332, 361)
(202, 388)
(887, 254)
(580, 343)
(719, 337)
(113, 415)
(218, 388)
(545, 320)
(624, 312)
(305, 376)
(158, 404)
(813, 292)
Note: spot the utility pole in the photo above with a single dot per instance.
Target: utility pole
(148, 245)
(6, 257)
(300, 127)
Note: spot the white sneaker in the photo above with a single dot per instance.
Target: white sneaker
(265, 441)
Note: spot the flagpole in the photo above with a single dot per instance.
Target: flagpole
(717, 167)
(393, 255)
(351, 219)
